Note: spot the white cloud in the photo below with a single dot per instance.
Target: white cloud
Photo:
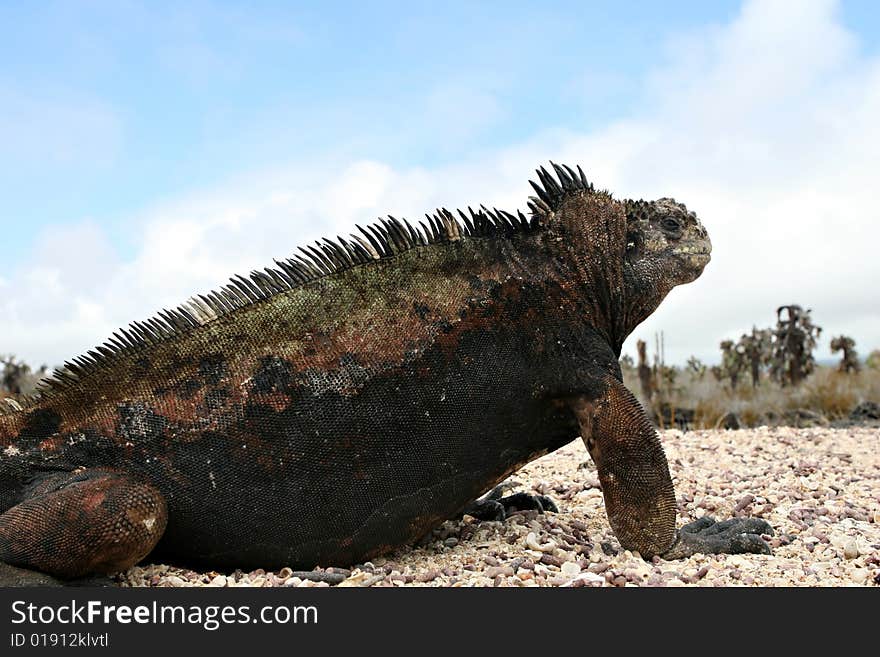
(766, 127)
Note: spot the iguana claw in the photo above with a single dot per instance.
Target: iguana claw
(708, 536)
(495, 507)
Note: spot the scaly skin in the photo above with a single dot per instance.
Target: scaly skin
(327, 417)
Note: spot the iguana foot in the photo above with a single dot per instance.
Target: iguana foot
(484, 509)
(81, 524)
(526, 502)
(707, 536)
(495, 507)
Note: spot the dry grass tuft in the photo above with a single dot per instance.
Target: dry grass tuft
(830, 393)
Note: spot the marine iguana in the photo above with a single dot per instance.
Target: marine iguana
(346, 401)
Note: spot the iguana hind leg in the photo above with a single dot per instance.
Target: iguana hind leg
(494, 505)
(638, 491)
(86, 523)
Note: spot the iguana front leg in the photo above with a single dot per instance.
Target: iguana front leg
(638, 491)
(79, 524)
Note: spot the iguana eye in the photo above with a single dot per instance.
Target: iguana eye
(670, 223)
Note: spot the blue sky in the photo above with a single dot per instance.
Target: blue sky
(125, 103)
(114, 116)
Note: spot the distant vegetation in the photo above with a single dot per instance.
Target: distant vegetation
(703, 402)
(769, 376)
(18, 379)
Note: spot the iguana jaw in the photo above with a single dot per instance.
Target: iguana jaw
(697, 250)
(693, 255)
(691, 259)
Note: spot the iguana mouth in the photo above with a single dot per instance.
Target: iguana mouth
(701, 249)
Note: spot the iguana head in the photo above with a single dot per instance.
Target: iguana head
(655, 245)
(665, 242)
(666, 246)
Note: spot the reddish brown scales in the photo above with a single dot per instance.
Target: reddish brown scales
(98, 525)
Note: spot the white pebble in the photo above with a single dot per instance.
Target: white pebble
(533, 543)
(591, 577)
(570, 569)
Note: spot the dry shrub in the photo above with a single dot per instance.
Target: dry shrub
(832, 393)
(826, 391)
